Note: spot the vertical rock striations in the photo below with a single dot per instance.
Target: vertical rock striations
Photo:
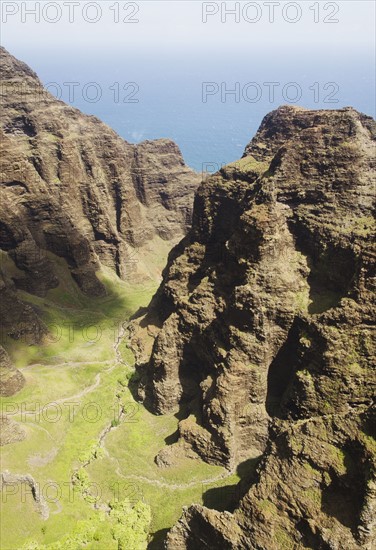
(72, 187)
(262, 332)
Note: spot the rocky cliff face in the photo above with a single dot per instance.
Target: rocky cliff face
(72, 187)
(262, 334)
(11, 382)
(11, 379)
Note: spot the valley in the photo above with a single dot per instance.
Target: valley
(82, 422)
(185, 365)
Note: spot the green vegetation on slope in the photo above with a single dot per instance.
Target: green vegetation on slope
(89, 446)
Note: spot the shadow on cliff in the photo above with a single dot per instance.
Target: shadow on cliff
(227, 497)
(281, 372)
(140, 312)
(158, 539)
(343, 497)
(333, 268)
(222, 499)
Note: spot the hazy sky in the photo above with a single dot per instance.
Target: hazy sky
(173, 47)
(177, 25)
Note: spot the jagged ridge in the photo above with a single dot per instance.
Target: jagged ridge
(265, 319)
(70, 186)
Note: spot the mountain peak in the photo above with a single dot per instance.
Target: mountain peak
(12, 68)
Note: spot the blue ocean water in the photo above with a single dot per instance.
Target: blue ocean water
(169, 93)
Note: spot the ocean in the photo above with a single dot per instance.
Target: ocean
(210, 105)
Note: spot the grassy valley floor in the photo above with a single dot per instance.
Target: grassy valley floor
(87, 441)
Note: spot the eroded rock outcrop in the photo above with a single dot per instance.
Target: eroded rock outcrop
(10, 431)
(263, 332)
(11, 379)
(315, 488)
(7, 478)
(11, 382)
(17, 319)
(72, 187)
